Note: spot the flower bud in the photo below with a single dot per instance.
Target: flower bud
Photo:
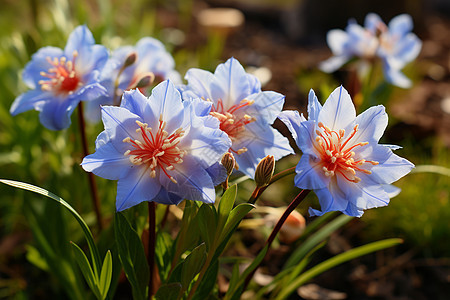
(293, 228)
(145, 80)
(264, 171)
(131, 59)
(229, 162)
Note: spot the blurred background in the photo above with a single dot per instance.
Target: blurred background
(281, 42)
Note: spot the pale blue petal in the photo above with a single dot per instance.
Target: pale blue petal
(405, 51)
(292, 120)
(137, 186)
(336, 40)
(230, 83)
(55, 113)
(310, 174)
(330, 199)
(401, 25)
(259, 142)
(338, 112)
(333, 63)
(396, 77)
(164, 197)
(218, 173)
(199, 83)
(34, 99)
(81, 37)
(391, 190)
(166, 101)
(120, 123)
(91, 92)
(372, 22)
(372, 124)
(90, 58)
(107, 162)
(314, 106)
(193, 182)
(364, 194)
(392, 168)
(254, 83)
(138, 104)
(266, 108)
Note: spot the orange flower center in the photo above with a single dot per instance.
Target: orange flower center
(230, 122)
(337, 155)
(61, 77)
(156, 150)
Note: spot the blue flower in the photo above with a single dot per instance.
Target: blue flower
(60, 79)
(395, 45)
(157, 149)
(244, 111)
(151, 59)
(342, 160)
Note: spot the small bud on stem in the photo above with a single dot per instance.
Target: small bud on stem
(264, 171)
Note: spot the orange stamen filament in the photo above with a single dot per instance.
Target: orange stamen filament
(232, 124)
(61, 77)
(336, 154)
(156, 150)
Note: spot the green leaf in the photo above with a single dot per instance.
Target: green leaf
(163, 254)
(192, 265)
(168, 291)
(316, 239)
(132, 256)
(235, 290)
(207, 220)
(95, 256)
(225, 205)
(86, 269)
(235, 217)
(334, 261)
(106, 275)
(208, 282)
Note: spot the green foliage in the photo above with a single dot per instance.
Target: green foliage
(132, 256)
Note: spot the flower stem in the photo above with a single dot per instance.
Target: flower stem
(258, 191)
(92, 184)
(151, 245)
(297, 200)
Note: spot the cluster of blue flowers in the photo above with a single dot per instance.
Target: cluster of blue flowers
(167, 146)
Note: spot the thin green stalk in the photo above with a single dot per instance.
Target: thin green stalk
(297, 200)
(91, 177)
(151, 245)
(259, 190)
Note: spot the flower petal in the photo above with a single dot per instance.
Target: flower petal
(230, 83)
(266, 107)
(314, 106)
(193, 182)
(34, 99)
(372, 124)
(401, 24)
(338, 112)
(136, 187)
(336, 40)
(107, 162)
(81, 37)
(200, 82)
(55, 113)
(39, 63)
(310, 174)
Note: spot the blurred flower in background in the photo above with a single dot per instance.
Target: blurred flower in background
(133, 67)
(394, 44)
(60, 79)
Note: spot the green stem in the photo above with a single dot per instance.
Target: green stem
(297, 200)
(91, 177)
(151, 245)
